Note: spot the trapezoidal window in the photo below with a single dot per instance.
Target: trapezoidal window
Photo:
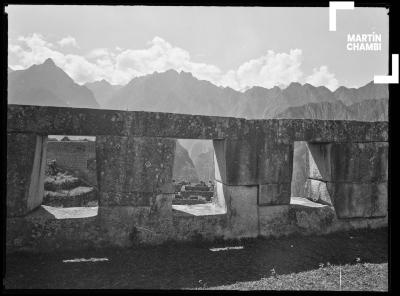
(194, 179)
(70, 183)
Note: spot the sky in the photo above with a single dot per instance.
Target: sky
(237, 47)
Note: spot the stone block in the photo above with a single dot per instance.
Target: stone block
(348, 162)
(134, 164)
(274, 194)
(235, 161)
(241, 162)
(26, 160)
(274, 162)
(253, 161)
(359, 162)
(275, 221)
(359, 200)
(242, 210)
(133, 198)
(317, 191)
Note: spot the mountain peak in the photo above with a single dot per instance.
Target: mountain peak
(170, 72)
(103, 82)
(188, 74)
(49, 62)
(295, 83)
(48, 85)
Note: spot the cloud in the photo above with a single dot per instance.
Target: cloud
(68, 41)
(322, 77)
(119, 66)
(98, 53)
(269, 70)
(33, 50)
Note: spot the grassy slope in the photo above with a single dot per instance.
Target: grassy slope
(358, 277)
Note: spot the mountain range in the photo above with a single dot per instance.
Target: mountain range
(170, 91)
(102, 90)
(182, 93)
(47, 85)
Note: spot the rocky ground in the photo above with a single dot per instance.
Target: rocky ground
(342, 261)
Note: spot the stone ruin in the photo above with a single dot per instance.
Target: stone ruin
(346, 185)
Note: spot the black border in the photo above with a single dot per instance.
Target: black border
(394, 97)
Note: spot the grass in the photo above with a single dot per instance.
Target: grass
(294, 263)
(357, 277)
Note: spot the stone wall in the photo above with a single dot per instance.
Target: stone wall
(253, 171)
(78, 156)
(350, 176)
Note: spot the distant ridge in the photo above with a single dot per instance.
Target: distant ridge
(181, 92)
(47, 85)
(175, 92)
(102, 90)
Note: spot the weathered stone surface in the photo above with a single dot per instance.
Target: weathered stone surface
(154, 124)
(274, 162)
(136, 199)
(20, 156)
(359, 162)
(25, 172)
(64, 121)
(253, 161)
(305, 217)
(242, 210)
(40, 231)
(354, 175)
(134, 164)
(355, 200)
(313, 130)
(36, 188)
(132, 171)
(274, 194)
(349, 162)
(236, 161)
(317, 191)
(274, 221)
(81, 121)
(131, 225)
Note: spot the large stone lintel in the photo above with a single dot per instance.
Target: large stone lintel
(95, 122)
